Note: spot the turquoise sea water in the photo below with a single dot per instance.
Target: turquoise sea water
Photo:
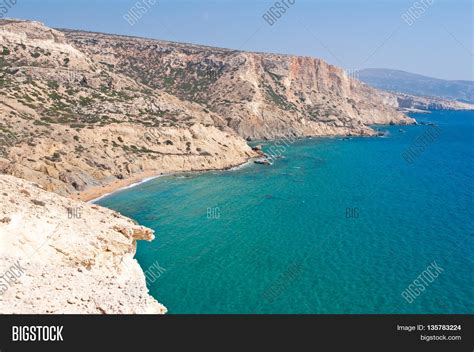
(337, 226)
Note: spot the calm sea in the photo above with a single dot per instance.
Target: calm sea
(336, 226)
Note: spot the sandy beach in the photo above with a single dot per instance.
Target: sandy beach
(100, 191)
(95, 193)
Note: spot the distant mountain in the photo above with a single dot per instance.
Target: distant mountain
(410, 83)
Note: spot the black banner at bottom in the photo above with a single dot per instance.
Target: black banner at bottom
(292, 332)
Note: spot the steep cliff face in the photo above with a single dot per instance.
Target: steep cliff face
(67, 256)
(258, 95)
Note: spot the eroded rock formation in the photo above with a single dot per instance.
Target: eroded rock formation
(68, 256)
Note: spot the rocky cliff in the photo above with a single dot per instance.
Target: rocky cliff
(58, 255)
(258, 95)
(70, 122)
(409, 103)
(80, 110)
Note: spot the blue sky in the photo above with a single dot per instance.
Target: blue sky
(352, 34)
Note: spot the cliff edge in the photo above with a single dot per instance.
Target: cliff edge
(58, 255)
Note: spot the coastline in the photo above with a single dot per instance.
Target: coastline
(265, 193)
(96, 193)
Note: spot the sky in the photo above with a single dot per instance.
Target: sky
(435, 40)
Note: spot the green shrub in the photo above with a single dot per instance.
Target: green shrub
(84, 101)
(53, 84)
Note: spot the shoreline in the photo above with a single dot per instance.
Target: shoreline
(96, 193)
(128, 183)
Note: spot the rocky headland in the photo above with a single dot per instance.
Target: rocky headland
(59, 255)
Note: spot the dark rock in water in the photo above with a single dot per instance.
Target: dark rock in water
(426, 123)
(263, 161)
(257, 148)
